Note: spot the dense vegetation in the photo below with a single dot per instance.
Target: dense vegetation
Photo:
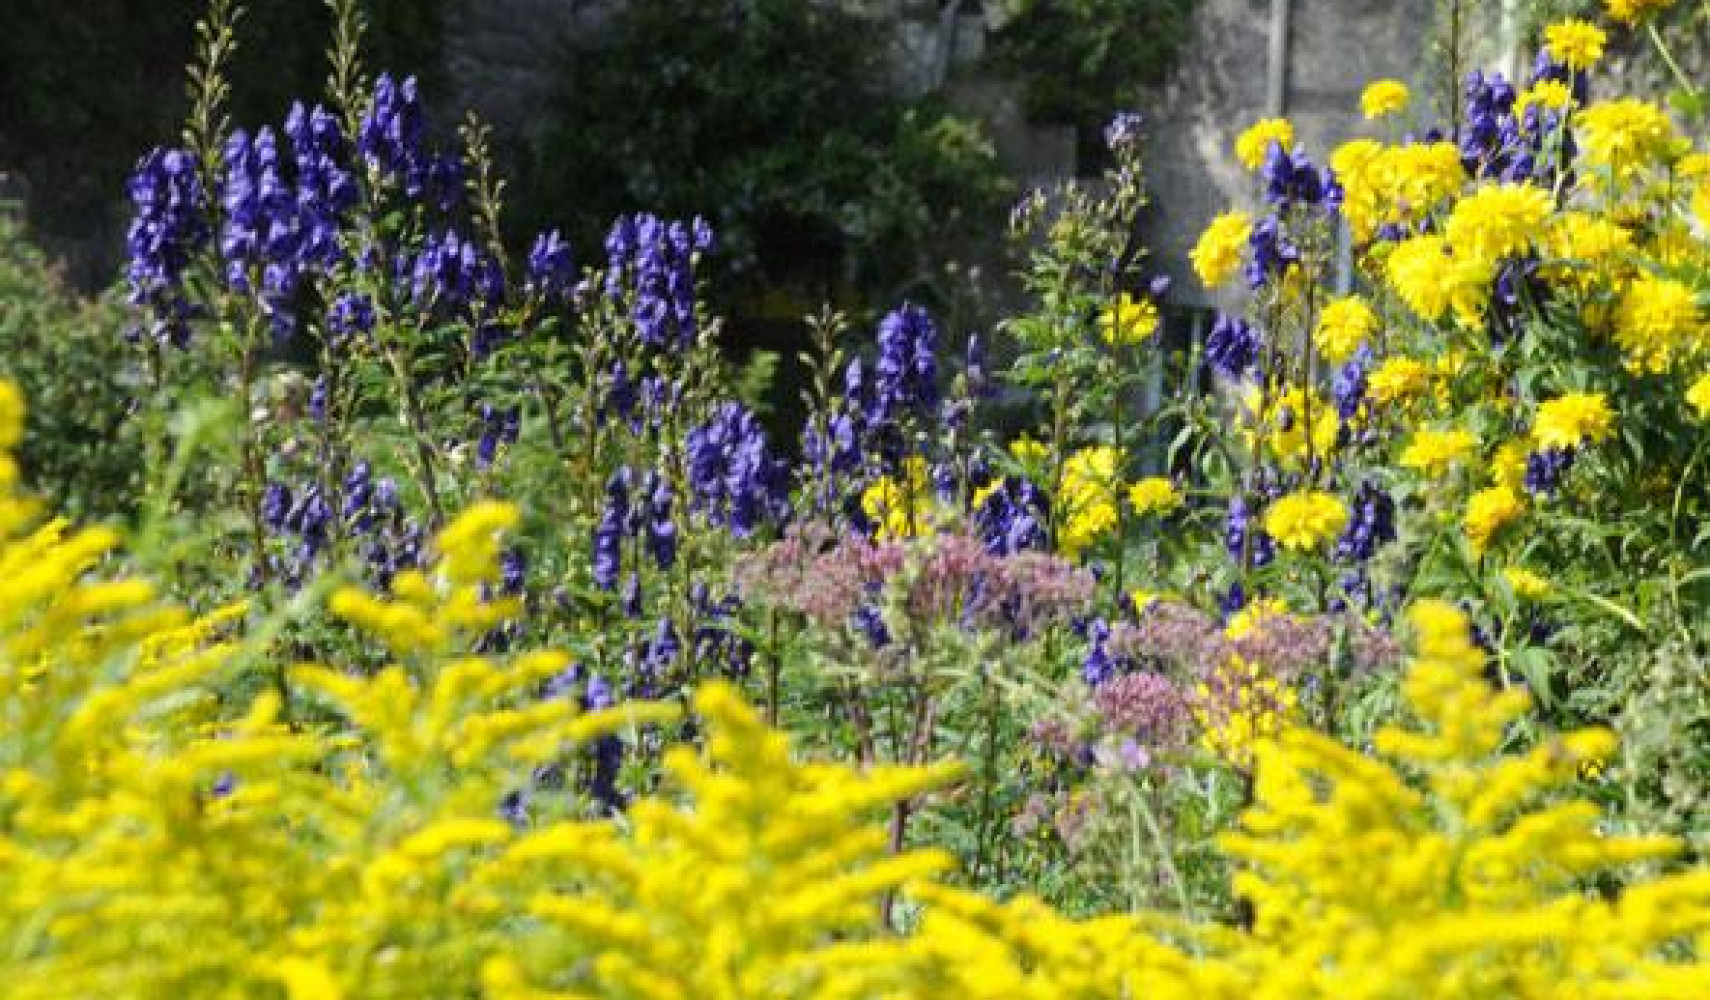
(494, 648)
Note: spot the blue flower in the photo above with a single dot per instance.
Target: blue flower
(651, 263)
(660, 529)
(610, 532)
(391, 133)
(168, 227)
(1545, 470)
(1232, 347)
(550, 267)
(1349, 386)
(351, 313)
(497, 427)
(1293, 179)
(906, 371)
(620, 398)
(359, 493)
(1011, 518)
(275, 505)
(734, 480)
(870, 623)
(1098, 665)
(451, 273)
(1123, 131)
(715, 641)
(1236, 529)
(1371, 525)
(513, 571)
(263, 233)
(326, 190)
(1270, 252)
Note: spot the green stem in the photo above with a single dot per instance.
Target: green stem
(1668, 58)
(416, 420)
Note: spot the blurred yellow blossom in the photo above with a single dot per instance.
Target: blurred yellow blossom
(1433, 452)
(1399, 378)
(1633, 11)
(1625, 135)
(1305, 520)
(1657, 322)
(1343, 326)
(1698, 396)
(1525, 583)
(1255, 143)
(1087, 507)
(1217, 255)
(1154, 495)
(1383, 97)
(1128, 321)
(1574, 43)
(1545, 95)
(1487, 512)
(1572, 419)
(901, 506)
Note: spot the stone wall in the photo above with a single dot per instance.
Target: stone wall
(499, 52)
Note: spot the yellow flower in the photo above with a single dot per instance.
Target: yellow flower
(1383, 97)
(1625, 135)
(1129, 321)
(1306, 519)
(1343, 326)
(1154, 495)
(1633, 11)
(1284, 422)
(1575, 43)
(1588, 249)
(1217, 255)
(1657, 322)
(1239, 707)
(1497, 221)
(1142, 598)
(1088, 501)
(1431, 277)
(1423, 174)
(1487, 512)
(1431, 452)
(1253, 145)
(1508, 465)
(1030, 453)
(11, 415)
(1571, 419)
(1359, 167)
(1418, 270)
(1699, 396)
(900, 507)
(1394, 184)
(1545, 95)
(1245, 622)
(1397, 379)
(1525, 583)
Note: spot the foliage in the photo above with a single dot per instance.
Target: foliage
(139, 808)
(1076, 58)
(1124, 688)
(774, 119)
(80, 444)
(89, 84)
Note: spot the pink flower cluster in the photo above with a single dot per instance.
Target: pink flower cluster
(941, 579)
